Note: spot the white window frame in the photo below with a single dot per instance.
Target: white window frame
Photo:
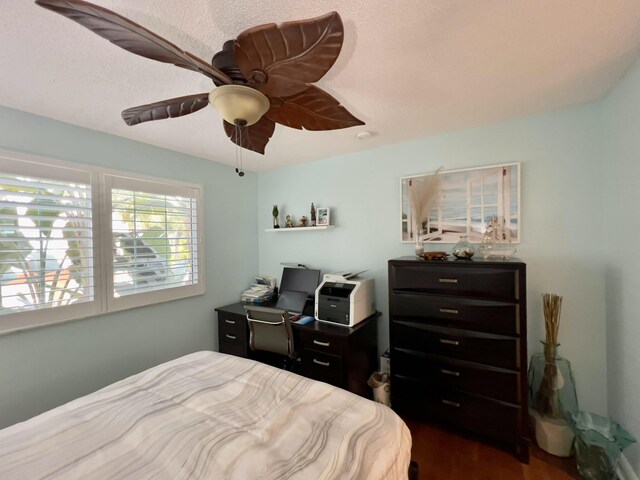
(101, 180)
(137, 183)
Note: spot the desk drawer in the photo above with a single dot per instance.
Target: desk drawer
(319, 341)
(443, 373)
(466, 281)
(234, 325)
(232, 334)
(497, 420)
(233, 346)
(476, 347)
(468, 313)
(321, 367)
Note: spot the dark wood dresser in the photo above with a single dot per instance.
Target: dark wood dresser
(458, 336)
(335, 354)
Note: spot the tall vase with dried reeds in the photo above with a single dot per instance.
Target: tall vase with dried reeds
(547, 402)
(552, 393)
(424, 193)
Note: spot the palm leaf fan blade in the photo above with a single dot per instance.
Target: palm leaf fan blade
(172, 108)
(254, 137)
(311, 109)
(130, 36)
(281, 60)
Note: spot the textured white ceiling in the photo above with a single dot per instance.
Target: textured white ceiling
(408, 68)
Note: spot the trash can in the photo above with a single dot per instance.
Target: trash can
(599, 443)
(379, 382)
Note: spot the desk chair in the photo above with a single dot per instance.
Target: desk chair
(270, 330)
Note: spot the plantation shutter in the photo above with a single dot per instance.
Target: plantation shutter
(46, 238)
(155, 239)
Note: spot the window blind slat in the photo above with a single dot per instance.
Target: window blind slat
(61, 208)
(32, 183)
(29, 196)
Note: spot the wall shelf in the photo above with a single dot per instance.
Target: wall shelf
(299, 229)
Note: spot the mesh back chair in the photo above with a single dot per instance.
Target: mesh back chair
(270, 330)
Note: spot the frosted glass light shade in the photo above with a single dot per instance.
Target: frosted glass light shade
(237, 102)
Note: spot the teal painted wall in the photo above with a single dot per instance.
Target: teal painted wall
(620, 231)
(561, 180)
(45, 367)
(578, 164)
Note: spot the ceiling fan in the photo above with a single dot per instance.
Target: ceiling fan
(263, 77)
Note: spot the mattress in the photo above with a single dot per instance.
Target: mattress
(209, 415)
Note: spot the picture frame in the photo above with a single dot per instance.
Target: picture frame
(469, 199)
(323, 216)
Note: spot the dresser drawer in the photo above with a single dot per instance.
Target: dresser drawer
(468, 313)
(476, 347)
(319, 341)
(487, 282)
(443, 373)
(322, 367)
(494, 419)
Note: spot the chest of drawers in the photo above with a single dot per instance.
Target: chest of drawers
(459, 346)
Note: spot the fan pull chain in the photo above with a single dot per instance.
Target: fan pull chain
(239, 125)
(241, 170)
(235, 133)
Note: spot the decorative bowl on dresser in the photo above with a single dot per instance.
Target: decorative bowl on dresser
(458, 335)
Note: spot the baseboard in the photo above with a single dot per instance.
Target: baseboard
(625, 472)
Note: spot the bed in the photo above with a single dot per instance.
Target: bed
(209, 415)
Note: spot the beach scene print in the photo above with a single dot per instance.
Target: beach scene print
(468, 201)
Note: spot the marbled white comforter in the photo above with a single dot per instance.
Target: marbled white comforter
(210, 416)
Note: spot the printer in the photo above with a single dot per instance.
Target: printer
(344, 299)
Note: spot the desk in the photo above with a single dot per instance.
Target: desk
(341, 356)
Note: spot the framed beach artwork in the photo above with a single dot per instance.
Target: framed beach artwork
(468, 200)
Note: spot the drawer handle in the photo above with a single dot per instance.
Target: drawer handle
(322, 344)
(450, 403)
(449, 310)
(232, 322)
(448, 280)
(318, 362)
(230, 337)
(444, 371)
(449, 342)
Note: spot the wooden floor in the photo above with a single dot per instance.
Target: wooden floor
(444, 455)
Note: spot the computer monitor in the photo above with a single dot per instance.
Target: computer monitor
(300, 280)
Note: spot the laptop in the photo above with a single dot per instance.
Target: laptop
(292, 301)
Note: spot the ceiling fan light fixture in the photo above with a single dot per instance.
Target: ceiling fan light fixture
(237, 102)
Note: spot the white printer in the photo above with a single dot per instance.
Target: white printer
(344, 298)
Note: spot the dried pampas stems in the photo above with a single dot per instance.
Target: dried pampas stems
(423, 195)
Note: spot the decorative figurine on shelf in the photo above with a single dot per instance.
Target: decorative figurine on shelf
(313, 215)
(303, 221)
(275, 214)
(288, 222)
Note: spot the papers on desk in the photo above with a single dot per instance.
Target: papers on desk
(261, 291)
